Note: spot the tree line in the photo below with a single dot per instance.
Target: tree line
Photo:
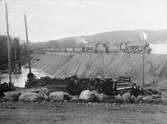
(18, 52)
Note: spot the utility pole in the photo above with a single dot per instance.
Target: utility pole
(15, 58)
(9, 47)
(28, 49)
(143, 61)
(103, 74)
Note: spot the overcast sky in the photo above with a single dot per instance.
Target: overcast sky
(54, 19)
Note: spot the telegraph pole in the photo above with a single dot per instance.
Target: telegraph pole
(143, 61)
(9, 47)
(28, 49)
(103, 75)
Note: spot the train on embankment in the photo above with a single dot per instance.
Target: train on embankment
(122, 47)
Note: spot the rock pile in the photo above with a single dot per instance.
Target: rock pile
(43, 94)
(127, 98)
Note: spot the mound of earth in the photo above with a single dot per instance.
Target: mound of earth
(90, 65)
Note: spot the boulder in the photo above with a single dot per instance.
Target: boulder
(31, 97)
(157, 96)
(74, 98)
(139, 98)
(164, 96)
(43, 92)
(1, 94)
(44, 95)
(87, 95)
(126, 97)
(152, 98)
(95, 92)
(118, 98)
(59, 96)
(12, 96)
(148, 98)
(110, 99)
(99, 97)
(133, 99)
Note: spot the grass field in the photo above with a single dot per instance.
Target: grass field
(73, 113)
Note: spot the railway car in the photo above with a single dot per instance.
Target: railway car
(88, 48)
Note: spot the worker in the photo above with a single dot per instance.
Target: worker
(30, 78)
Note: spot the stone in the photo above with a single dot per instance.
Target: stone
(31, 97)
(74, 98)
(148, 98)
(99, 97)
(139, 98)
(118, 98)
(59, 96)
(87, 95)
(133, 99)
(126, 97)
(12, 96)
(157, 96)
(164, 96)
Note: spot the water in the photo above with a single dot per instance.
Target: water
(19, 79)
(159, 48)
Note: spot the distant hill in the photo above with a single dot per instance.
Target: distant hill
(119, 36)
(154, 36)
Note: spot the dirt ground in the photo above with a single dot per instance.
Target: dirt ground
(75, 113)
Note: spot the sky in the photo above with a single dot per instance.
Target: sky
(55, 19)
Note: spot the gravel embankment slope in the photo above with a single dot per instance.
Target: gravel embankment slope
(108, 65)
